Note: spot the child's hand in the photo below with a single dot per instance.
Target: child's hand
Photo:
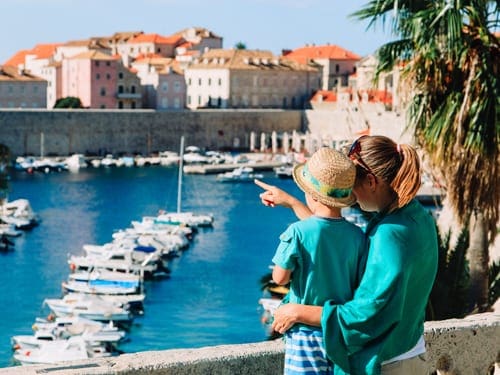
(274, 196)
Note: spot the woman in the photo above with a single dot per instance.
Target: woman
(380, 331)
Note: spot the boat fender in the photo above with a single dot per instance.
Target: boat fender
(72, 266)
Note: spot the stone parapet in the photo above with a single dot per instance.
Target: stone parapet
(467, 346)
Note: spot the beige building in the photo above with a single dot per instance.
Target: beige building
(235, 78)
(20, 89)
(162, 81)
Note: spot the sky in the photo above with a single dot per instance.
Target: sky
(259, 24)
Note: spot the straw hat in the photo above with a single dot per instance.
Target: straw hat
(328, 176)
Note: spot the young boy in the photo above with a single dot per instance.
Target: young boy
(322, 256)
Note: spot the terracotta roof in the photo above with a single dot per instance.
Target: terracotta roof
(17, 59)
(145, 56)
(332, 52)
(93, 55)
(11, 73)
(324, 96)
(243, 59)
(156, 39)
(200, 32)
(374, 96)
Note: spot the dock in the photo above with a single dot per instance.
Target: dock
(225, 167)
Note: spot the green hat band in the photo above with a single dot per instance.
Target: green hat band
(322, 188)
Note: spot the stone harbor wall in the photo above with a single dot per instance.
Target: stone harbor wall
(467, 346)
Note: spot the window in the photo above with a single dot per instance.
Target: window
(199, 81)
(220, 81)
(189, 82)
(177, 103)
(120, 89)
(132, 89)
(164, 102)
(210, 81)
(108, 76)
(108, 63)
(164, 86)
(97, 76)
(337, 68)
(189, 99)
(97, 63)
(120, 104)
(120, 75)
(103, 106)
(35, 89)
(103, 91)
(132, 105)
(199, 99)
(177, 86)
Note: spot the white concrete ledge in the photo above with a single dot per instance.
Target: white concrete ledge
(466, 346)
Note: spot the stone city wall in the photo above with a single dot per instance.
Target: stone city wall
(64, 132)
(467, 346)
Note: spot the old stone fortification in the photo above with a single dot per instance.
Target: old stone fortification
(458, 346)
(64, 132)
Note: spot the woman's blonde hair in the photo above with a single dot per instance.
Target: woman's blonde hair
(397, 164)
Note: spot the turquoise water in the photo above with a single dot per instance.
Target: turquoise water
(212, 295)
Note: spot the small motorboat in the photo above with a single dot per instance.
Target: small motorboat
(240, 174)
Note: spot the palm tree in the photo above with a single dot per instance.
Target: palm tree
(452, 60)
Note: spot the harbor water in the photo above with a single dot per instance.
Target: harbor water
(211, 296)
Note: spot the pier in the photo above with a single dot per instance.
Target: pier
(225, 167)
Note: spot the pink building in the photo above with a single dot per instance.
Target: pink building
(100, 81)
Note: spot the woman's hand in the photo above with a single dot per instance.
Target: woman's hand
(289, 314)
(285, 317)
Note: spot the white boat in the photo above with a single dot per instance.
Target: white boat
(9, 230)
(102, 281)
(75, 348)
(185, 218)
(136, 261)
(93, 333)
(240, 174)
(168, 158)
(18, 213)
(75, 162)
(284, 171)
(87, 306)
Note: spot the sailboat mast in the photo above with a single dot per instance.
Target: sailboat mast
(179, 183)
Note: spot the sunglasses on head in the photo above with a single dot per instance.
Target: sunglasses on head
(355, 155)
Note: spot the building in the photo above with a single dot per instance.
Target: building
(338, 63)
(235, 78)
(21, 89)
(162, 81)
(198, 39)
(100, 81)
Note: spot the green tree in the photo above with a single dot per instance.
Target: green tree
(68, 102)
(240, 45)
(452, 60)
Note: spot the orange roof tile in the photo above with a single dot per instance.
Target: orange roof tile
(331, 52)
(325, 96)
(156, 39)
(17, 59)
(44, 51)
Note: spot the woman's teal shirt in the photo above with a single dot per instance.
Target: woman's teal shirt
(386, 316)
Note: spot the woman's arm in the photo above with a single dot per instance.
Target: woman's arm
(290, 313)
(273, 196)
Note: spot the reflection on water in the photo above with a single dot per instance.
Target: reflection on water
(212, 295)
